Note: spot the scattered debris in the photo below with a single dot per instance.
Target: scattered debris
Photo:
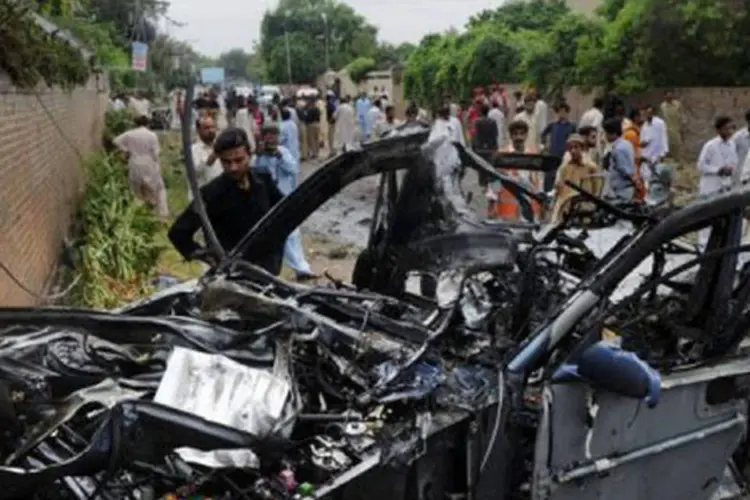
(533, 361)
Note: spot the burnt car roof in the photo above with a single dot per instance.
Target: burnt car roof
(401, 151)
(536, 162)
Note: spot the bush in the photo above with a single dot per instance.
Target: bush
(117, 250)
(115, 123)
(359, 68)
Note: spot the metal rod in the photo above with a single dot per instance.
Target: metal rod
(211, 240)
(604, 464)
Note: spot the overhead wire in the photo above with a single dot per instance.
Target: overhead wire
(139, 18)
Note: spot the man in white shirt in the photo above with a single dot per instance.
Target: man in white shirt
(742, 142)
(447, 125)
(717, 164)
(458, 130)
(204, 158)
(374, 116)
(243, 120)
(718, 159)
(141, 146)
(541, 113)
(139, 106)
(593, 117)
(496, 115)
(654, 142)
(387, 124)
(529, 117)
(116, 103)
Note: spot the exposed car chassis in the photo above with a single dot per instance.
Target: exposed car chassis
(503, 380)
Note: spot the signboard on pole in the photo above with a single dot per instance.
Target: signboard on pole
(212, 76)
(139, 56)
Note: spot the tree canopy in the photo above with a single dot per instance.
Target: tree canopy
(628, 46)
(124, 21)
(311, 25)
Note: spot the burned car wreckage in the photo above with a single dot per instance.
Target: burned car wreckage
(600, 358)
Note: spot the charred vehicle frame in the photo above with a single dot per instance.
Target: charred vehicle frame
(521, 374)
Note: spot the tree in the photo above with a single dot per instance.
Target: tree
(310, 26)
(234, 62)
(517, 15)
(520, 41)
(389, 55)
(631, 45)
(359, 68)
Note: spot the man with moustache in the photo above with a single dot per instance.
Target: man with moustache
(235, 201)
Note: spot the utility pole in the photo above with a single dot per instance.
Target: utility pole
(325, 33)
(288, 55)
(288, 50)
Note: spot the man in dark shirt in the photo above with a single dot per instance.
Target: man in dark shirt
(312, 121)
(484, 140)
(331, 105)
(235, 202)
(558, 132)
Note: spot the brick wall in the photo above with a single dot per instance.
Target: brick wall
(40, 176)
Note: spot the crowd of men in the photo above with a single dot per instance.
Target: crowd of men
(250, 158)
(612, 152)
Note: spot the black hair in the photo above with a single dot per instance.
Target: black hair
(495, 104)
(269, 129)
(598, 102)
(634, 113)
(518, 125)
(285, 114)
(562, 106)
(199, 119)
(389, 108)
(613, 126)
(142, 121)
(377, 103)
(484, 110)
(231, 138)
(747, 115)
(412, 110)
(722, 121)
(443, 112)
(586, 130)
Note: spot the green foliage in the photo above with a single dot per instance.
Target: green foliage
(531, 42)
(115, 123)
(98, 37)
(359, 68)
(631, 45)
(31, 56)
(311, 25)
(389, 55)
(117, 250)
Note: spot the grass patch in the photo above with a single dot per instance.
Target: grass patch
(117, 249)
(170, 261)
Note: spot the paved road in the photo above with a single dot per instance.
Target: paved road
(346, 217)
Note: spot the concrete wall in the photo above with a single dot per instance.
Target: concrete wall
(40, 176)
(390, 80)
